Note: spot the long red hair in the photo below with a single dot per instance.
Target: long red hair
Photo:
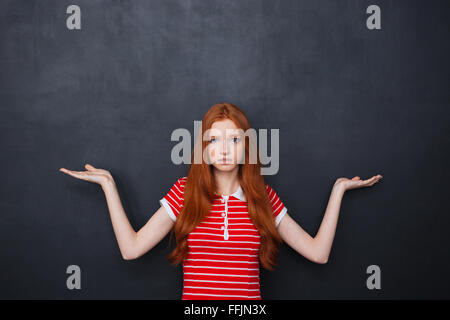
(200, 188)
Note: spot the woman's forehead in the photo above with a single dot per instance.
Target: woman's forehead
(224, 124)
(224, 127)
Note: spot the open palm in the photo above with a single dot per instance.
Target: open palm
(356, 182)
(92, 174)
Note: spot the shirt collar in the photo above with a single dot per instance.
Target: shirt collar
(239, 194)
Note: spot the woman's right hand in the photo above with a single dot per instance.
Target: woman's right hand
(95, 175)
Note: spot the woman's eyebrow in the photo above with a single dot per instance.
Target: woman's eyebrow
(231, 134)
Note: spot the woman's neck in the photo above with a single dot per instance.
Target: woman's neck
(227, 181)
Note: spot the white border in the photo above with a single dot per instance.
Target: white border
(166, 206)
(280, 216)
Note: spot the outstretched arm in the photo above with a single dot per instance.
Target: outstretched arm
(318, 249)
(132, 244)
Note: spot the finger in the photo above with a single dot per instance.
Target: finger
(75, 174)
(376, 178)
(373, 180)
(65, 170)
(79, 174)
(356, 178)
(89, 167)
(379, 177)
(365, 183)
(96, 170)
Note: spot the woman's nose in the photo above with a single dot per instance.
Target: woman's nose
(224, 150)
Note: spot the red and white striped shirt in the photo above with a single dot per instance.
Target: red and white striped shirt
(222, 261)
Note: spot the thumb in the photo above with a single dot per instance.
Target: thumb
(89, 167)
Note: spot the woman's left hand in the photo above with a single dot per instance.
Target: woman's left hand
(356, 182)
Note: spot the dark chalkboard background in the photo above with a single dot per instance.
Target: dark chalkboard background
(347, 100)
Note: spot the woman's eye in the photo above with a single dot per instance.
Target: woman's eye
(235, 139)
(212, 140)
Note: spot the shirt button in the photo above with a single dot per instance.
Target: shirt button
(223, 214)
(222, 228)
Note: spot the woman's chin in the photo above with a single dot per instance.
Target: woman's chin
(225, 166)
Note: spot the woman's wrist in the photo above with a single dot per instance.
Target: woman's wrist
(339, 188)
(108, 184)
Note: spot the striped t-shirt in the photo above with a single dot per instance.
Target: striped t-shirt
(222, 260)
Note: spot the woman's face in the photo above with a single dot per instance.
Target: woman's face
(226, 148)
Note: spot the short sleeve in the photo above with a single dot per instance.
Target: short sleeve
(174, 199)
(279, 210)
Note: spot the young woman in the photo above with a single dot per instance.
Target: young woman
(225, 218)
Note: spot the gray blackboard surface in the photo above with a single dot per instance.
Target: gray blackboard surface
(348, 100)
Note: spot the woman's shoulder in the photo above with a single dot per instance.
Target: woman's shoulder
(271, 191)
(268, 187)
(181, 181)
